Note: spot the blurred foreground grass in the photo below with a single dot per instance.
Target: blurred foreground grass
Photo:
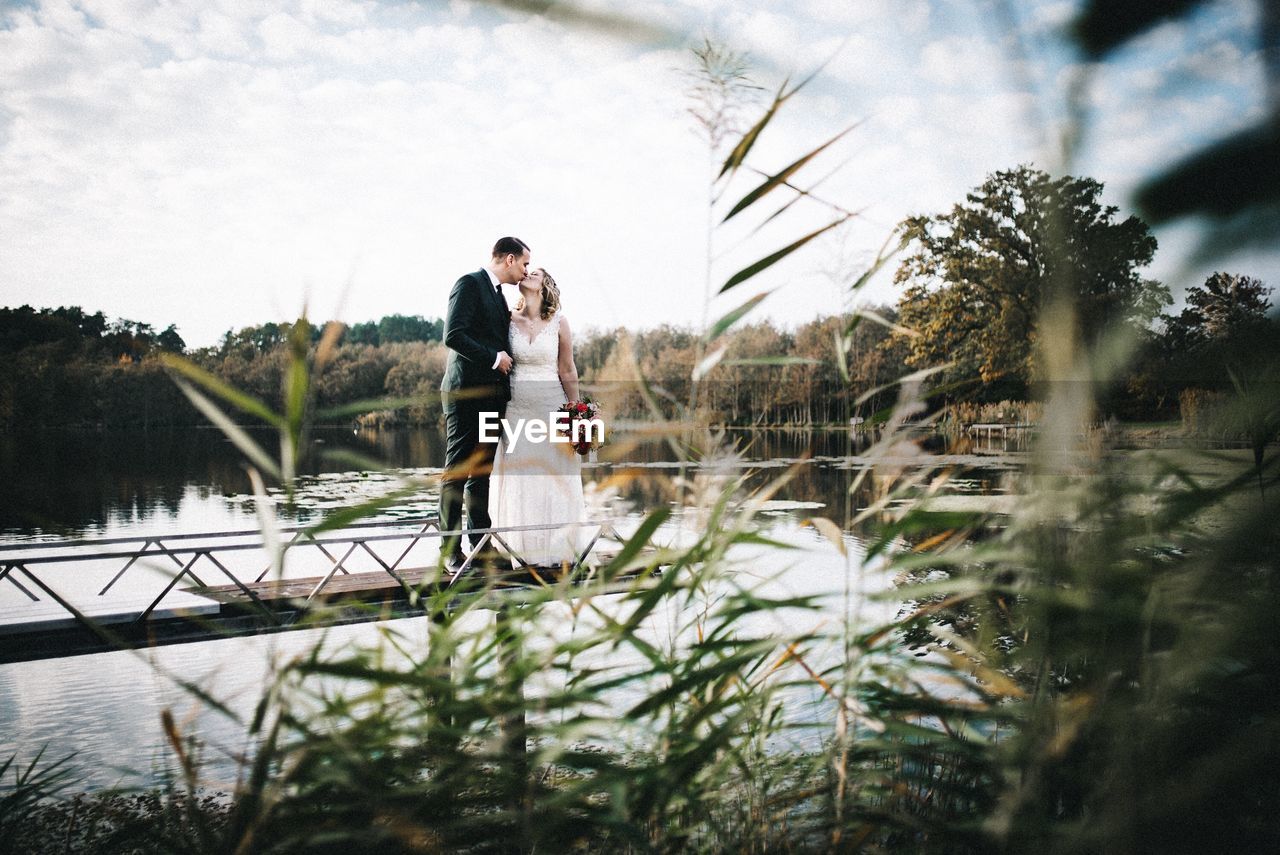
(1096, 671)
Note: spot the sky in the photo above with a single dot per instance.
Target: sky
(220, 163)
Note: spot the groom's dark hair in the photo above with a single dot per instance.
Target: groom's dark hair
(510, 246)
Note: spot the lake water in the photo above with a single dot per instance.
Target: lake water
(105, 708)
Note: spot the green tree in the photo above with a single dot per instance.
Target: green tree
(25, 326)
(90, 326)
(363, 333)
(980, 274)
(128, 339)
(170, 340)
(256, 339)
(394, 328)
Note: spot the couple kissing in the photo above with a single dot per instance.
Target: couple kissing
(515, 363)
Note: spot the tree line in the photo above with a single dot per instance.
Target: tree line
(67, 367)
(55, 374)
(977, 281)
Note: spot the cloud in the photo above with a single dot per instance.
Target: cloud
(1222, 66)
(221, 35)
(960, 62)
(768, 35)
(165, 185)
(283, 36)
(911, 17)
(213, 164)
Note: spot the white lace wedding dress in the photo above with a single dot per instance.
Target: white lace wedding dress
(537, 483)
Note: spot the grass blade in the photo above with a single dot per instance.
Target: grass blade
(830, 531)
(882, 258)
(725, 323)
(240, 400)
(230, 429)
(637, 542)
(710, 361)
(842, 344)
(802, 193)
(769, 260)
(915, 376)
(781, 178)
(265, 510)
(355, 513)
(372, 405)
(877, 318)
(354, 459)
(744, 146)
(297, 379)
(774, 360)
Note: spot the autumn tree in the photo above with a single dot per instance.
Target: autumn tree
(979, 275)
(747, 393)
(356, 372)
(594, 349)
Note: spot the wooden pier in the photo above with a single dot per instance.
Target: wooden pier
(369, 571)
(990, 431)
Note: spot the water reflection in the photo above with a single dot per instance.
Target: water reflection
(74, 484)
(70, 484)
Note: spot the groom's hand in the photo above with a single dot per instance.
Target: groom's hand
(504, 362)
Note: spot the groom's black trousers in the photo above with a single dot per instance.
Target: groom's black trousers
(467, 463)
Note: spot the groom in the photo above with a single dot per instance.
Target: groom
(477, 331)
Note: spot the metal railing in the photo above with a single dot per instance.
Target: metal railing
(33, 562)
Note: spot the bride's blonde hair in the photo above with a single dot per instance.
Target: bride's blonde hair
(550, 297)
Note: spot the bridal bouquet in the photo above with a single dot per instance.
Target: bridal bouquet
(583, 426)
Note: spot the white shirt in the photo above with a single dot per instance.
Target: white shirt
(497, 286)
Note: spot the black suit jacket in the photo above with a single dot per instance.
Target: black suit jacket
(477, 326)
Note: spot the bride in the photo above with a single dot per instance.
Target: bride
(537, 483)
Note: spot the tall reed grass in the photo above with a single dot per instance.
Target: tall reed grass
(1098, 670)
